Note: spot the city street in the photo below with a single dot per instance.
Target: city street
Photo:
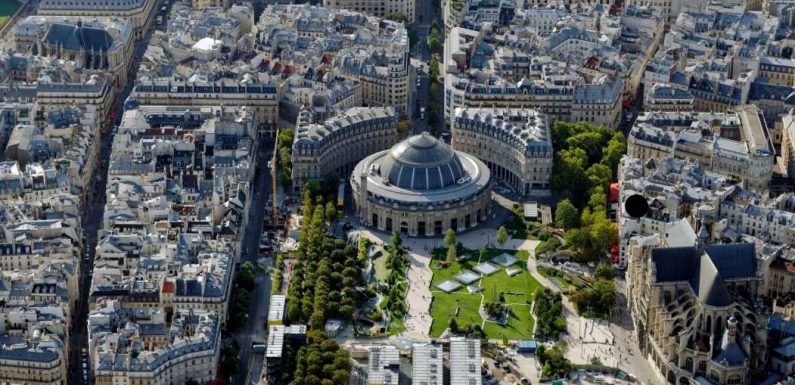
(421, 55)
(254, 331)
(93, 214)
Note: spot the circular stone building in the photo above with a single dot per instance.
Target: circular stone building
(421, 186)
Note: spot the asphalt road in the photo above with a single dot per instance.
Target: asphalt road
(429, 11)
(92, 218)
(254, 330)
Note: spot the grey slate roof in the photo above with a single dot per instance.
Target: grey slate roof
(674, 263)
(731, 355)
(706, 271)
(74, 38)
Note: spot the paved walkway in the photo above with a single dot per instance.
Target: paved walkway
(612, 343)
(418, 298)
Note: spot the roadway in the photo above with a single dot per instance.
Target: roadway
(427, 11)
(254, 331)
(93, 214)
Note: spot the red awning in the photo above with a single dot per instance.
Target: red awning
(613, 196)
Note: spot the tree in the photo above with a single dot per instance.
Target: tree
(321, 362)
(599, 175)
(549, 313)
(604, 271)
(399, 17)
(413, 38)
(598, 199)
(596, 300)
(603, 233)
(575, 239)
(589, 141)
(568, 174)
(433, 68)
(502, 235)
(554, 362)
(616, 148)
(566, 215)
(245, 279)
(331, 212)
(435, 39)
(191, 381)
(396, 241)
(230, 360)
(449, 238)
(453, 326)
(285, 150)
(451, 256)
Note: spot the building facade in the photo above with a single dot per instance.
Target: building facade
(692, 306)
(376, 8)
(337, 144)
(421, 186)
(101, 44)
(733, 143)
(514, 143)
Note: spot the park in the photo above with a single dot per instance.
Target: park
(7, 9)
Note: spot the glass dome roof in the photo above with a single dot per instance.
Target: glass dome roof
(422, 162)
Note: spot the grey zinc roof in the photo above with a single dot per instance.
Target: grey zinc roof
(422, 162)
(92, 4)
(14, 352)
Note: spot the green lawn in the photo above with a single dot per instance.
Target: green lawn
(381, 272)
(517, 290)
(7, 8)
(382, 275)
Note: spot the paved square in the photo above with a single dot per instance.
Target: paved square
(504, 259)
(486, 268)
(512, 271)
(448, 286)
(466, 277)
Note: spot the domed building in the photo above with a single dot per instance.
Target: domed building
(421, 186)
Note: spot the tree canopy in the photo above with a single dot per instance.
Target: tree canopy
(321, 362)
(586, 157)
(326, 272)
(566, 215)
(502, 235)
(449, 238)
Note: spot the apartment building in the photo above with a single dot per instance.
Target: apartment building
(335, 145)
(154, 351)
(525, 80)
(377, 62)
(381, 9)
(515, 144)
(732, 143)
(37, 360)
